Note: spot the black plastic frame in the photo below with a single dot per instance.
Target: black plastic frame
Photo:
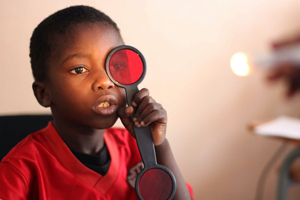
(157, 166)
(143, 134)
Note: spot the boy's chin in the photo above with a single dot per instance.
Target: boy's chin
(104, 124)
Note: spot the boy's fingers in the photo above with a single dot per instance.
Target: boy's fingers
(146, 111)
(138, 97)
(155, 116)
(125, 112)
(143, 104)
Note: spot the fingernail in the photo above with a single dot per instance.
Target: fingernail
(142, 123)
(137, 124)
(134, 119)
(134, 104)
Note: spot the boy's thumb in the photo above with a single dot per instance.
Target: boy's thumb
(124, 114)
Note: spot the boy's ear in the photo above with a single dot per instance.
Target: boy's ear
(41, 93)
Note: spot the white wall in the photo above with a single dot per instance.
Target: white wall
(187, 45)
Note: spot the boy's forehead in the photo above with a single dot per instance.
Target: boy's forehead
(85, 31)
(79, 36)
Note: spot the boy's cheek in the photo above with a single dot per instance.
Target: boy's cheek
(123, 95)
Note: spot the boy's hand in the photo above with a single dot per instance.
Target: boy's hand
(148, 112)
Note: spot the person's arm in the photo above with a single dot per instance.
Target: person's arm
(165, 157)
(148, 112)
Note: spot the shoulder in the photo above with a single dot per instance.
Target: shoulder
(27, 147)
(35, 143)
(29, 153)
(17, 166)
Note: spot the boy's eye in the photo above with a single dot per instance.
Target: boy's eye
(118, 67)
(78, 70)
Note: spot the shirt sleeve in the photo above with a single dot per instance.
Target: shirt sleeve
(190, 190)
(13, 184)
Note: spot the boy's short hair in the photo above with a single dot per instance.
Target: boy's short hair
(43, 40)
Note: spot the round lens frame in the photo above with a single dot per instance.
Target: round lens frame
(115, 50)
(157, 168)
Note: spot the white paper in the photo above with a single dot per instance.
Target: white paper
(283, 126)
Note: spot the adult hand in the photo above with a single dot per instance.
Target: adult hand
(287, 71)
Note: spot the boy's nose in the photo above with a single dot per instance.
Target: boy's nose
(102, 82)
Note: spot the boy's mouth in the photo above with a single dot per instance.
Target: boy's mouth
(104, 104)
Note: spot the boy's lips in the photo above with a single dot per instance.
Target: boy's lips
(106, 105)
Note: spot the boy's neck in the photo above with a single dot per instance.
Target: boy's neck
(81, 138)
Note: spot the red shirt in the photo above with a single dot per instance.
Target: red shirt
(42, 167)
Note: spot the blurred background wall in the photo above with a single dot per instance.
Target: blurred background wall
(188, 45)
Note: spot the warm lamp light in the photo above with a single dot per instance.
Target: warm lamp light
(239, 64)
(242, 64)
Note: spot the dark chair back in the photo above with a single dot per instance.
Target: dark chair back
(15, 128)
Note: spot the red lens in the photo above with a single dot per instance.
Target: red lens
(126, 66)
(155, 184)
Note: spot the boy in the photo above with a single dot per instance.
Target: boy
(79, 155)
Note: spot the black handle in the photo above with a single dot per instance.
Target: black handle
(142, 134)
(145, 144)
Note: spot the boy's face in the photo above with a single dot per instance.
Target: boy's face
(79, 88)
